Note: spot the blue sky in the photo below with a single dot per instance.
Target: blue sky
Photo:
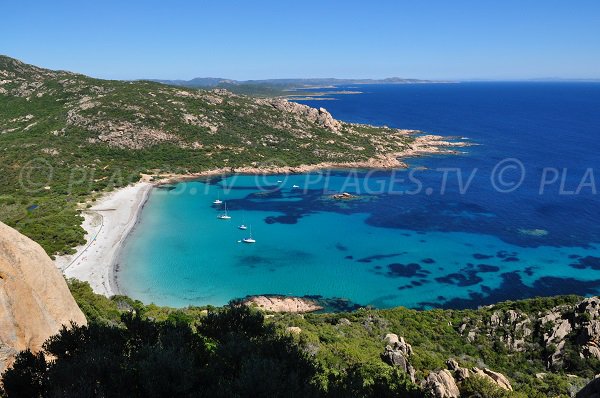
(436, 39)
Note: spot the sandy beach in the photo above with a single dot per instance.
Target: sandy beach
(107, 224)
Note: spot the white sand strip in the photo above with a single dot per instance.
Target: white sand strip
(107, 224)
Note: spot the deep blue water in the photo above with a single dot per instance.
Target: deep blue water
(514, 216)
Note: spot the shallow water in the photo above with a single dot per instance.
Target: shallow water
(445, 233)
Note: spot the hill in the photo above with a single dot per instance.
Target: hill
(281, 87)
(65, 136)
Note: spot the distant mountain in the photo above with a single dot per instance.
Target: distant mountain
(281, 86)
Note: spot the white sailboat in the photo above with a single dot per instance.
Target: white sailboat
(243, 227)
(249, 239)
(224, 215)
(217, 201)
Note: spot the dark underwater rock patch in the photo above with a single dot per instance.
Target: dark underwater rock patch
(341, 247)
(487, 268)
(587, 262)
(467, 276)
(505, 254)
(510, 259)
(397, 270)
(513, 288)
(428, 261)
(479, 256)
(286, 219)
(378, 257)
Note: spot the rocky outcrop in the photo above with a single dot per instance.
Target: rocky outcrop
(518, 325)
(459, 373)
(317, 116)
(441, 384)
(34, 298)
(496, 378)
(444, 383)
(555, 330)
(397, 353)
(283, 304)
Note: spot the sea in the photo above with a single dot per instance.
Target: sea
(515, 215)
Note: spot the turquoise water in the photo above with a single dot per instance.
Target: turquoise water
(181, 254)
(410, 239)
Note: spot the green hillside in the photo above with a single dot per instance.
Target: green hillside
(65, 135)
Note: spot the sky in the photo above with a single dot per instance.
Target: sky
(427, 39)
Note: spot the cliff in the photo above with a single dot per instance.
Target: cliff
(34, 299)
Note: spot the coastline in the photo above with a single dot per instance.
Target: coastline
(108, 224)
(423, 145)
(115, 215)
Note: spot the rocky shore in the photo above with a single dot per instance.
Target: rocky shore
(283, 304)
(422, 145)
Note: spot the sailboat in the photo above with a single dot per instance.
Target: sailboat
(249, 239)
(243, 227)
(217, 201)
(224, 215)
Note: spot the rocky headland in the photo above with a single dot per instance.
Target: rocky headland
(35, 301)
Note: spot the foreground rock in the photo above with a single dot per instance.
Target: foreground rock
(283, 304)
(34, 298)
(442, 385)
(397, 353)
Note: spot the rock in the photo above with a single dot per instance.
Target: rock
(294, 330)
(343, 196)
(591, 350)
(442, 385)
(34, 298)
(560, 329)
(391, 339)
(319, 116)
(497, 378)
(459, 373)
(344, 322)
(283, 304)
(591, 390)
(395, 357)
(397, 353)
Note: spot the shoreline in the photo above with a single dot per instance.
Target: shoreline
(114, 216)
(107, 223)
(423, 145)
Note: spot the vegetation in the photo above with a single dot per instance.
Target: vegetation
(132, 349)
(281, 87)
(65, 138)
